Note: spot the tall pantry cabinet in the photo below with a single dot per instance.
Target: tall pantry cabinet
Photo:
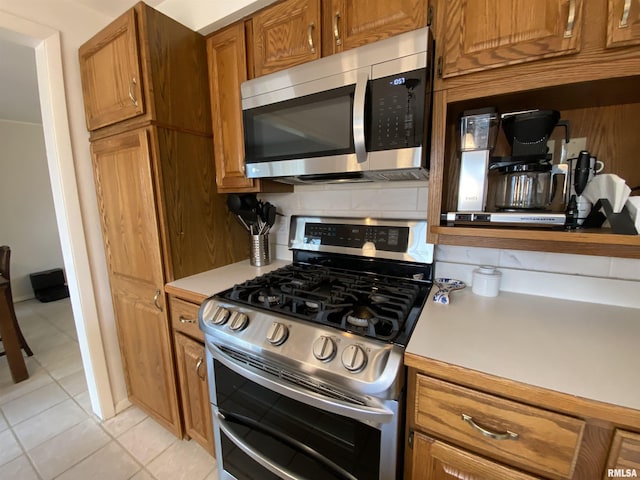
(146, 100)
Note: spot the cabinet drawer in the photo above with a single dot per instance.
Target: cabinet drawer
(624, 455)
(518, 434)
(184, 318)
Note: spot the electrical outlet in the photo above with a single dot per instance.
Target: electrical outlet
(573, 148)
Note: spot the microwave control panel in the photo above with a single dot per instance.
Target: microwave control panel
(397, 110)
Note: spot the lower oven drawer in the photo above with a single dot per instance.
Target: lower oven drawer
(518, 434)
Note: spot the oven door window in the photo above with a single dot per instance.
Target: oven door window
(275, 426)
(315, 125)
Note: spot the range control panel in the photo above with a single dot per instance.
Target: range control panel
(391, 239)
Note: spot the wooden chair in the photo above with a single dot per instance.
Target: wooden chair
(5, 271)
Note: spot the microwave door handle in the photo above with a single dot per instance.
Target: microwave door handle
(358, 117)
(223, 416)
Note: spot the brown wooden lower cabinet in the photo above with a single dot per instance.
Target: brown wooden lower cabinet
(191, 366)
(194, 390)
(434, 460)
(463, 424)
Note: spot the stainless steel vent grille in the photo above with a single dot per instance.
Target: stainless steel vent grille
(299, 379)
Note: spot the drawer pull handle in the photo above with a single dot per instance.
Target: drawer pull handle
(571, 19)
(198, 365)
(488, 433)
(624, 20)
(187, 320)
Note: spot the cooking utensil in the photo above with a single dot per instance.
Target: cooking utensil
(581, 177)
(234, 203)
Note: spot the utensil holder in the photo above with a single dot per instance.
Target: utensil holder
(260, 255)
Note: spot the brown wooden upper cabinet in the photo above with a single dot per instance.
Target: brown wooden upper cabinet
(623, 26)
(297, 31)
(111, 76)
(285, 35)
(226, 52)
(349, 24)
(483, 34)
(132, 74)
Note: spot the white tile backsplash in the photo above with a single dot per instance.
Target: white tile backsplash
(562, 275)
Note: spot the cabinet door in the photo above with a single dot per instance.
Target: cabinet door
(349, 24)
(624, 456)
(110, 71)
(285, 35)
(483, 34)
(194, 390)
(226, 53)
(623, 23)
(126, 200)
(434, 460)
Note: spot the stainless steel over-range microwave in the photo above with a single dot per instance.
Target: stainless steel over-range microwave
(360, 115)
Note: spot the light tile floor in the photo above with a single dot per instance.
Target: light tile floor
(47, 429)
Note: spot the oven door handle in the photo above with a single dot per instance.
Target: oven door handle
(372, 415)
(224, 417)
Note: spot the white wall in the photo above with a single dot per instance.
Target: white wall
(579, 277)
(26, 205)
(76, 25)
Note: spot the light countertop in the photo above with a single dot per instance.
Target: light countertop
(583, 349)
(203, 285)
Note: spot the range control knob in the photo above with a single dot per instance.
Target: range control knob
(220, 316)
(206, 311)
(238, 321)
(277, 333)
(324, 348)
(354, 358)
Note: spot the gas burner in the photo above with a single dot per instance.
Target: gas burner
(267, 298)
(378, 298)
(361, 316)
(312, 305)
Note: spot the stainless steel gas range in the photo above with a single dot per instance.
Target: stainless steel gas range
(306, 362)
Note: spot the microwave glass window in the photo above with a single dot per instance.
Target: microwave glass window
(315, 125)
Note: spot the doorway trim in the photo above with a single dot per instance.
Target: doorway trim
(62, 174)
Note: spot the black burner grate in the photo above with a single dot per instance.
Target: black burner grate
(367, 304)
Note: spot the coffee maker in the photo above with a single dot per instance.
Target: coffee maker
(526, 187)
(527, 180)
